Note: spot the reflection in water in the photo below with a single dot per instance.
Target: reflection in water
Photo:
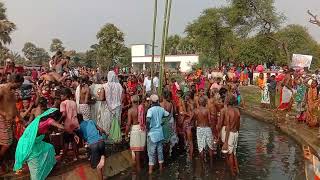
(263, 153)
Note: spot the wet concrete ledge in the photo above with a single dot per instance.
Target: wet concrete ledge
(300, 132)
(115, 164)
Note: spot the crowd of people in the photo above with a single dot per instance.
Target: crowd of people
(88, 108)
(299, 91)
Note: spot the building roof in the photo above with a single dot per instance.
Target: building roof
(141, 44)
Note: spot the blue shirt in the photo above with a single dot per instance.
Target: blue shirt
(154, 117)
(89, 132)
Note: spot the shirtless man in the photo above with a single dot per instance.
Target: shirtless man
(82, 99)
(180, 112)
(137, 132)
(61, 63)
(232, 121)
(204, 132)
(188, 124)
(8, 111)
(169, 125)
(52, 77)
(221, 126)
(197, 96)
(213, 113)
(42, 106)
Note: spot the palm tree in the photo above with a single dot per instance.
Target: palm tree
(6, 27)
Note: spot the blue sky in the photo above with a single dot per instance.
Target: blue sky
(76, 22)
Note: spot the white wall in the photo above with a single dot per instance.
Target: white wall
(186, 61)
(138, 50)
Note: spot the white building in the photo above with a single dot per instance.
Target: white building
(142, 56)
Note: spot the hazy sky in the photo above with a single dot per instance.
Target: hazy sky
(76, 22)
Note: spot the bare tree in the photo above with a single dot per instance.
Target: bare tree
(314, 19)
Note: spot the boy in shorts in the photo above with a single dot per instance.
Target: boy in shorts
(204, 133)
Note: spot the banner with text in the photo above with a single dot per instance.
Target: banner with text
(303, 61)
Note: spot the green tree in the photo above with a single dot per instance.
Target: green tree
(90, 58)
(35, 54)
(180, 45)
(17, 58)
(110, 46)
(6, 27)
(56, 45)
(124, 58)
(210, 33)
(29, 50)
(224, 34)
(255, 16)
(259, 17)
(299, 42)
(258, 50)
(3, 55)
(186, 46)
(173, 44)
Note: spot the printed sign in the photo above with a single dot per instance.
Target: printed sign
(303, 61)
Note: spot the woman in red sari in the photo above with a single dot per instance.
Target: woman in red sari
(174, 91)
(132, 84)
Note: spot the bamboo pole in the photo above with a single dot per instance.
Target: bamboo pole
(164, 40)
(153, 39)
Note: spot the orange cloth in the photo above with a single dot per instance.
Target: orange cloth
(18, 129)
(312, 110)
(261, 83)
(242, 76)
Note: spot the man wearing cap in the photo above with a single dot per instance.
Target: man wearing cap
(155, 133)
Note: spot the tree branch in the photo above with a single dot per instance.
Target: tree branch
(267, 24)
(314, 19)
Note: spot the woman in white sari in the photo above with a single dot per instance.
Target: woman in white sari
(113, 95)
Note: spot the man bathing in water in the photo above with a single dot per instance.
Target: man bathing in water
(8, 112)
(204, 133)
(229, 136)
(82, 99)
(136, 126)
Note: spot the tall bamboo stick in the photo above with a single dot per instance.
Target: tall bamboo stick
(164, 41)
(153, 39)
